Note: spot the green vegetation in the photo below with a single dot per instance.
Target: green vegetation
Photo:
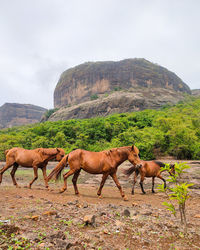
(10, 238)
(94, 97)
(49, 112)
(117, 88)
(178, 192)
(169, 131)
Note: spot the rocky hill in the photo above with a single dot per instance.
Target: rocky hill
(80, 83)
(14, 114)
(101, 88)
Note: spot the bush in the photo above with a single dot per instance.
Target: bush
(94, 97)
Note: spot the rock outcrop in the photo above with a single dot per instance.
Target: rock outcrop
(14, 114)
(95, 79)
(196, 92)
(102, 88)
(119, 102)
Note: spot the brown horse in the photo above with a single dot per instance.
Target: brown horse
(104, 162)
(36, 158)
(148, 169)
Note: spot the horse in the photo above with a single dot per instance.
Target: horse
(105, 162)
(35, 158)
(148, 169)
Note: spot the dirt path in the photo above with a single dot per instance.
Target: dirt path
(39, 219)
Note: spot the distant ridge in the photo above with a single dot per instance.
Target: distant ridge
(15, 114)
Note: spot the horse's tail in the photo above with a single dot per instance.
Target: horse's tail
(58, 169)
(129, 171)
(161, 164)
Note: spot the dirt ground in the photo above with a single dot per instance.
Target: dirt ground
(41, 219)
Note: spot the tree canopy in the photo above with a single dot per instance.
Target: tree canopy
(172, 130)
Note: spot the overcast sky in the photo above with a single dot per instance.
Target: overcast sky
(39, 39)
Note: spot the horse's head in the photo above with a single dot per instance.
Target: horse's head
(133, 157)
(60, 154)
(172, 169)
(51, 153)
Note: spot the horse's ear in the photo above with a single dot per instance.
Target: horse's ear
(40, 150)
(6, 151)
(58, 150)
(134, 148)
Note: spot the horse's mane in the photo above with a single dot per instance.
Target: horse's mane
(108, 151)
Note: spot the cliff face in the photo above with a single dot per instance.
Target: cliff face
(14, 114)
(95, 80)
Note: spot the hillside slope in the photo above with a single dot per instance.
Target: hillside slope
(119, 102)
(171, 130)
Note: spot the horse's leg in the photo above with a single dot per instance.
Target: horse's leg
(134, 181)
(141, 184)
(160, 177)
(153, 178)
(12, 173)
(114, 176)
(44, 171)
(65, 176)
(74, 180)
(7, 166)
(35, 169)
(104, 177)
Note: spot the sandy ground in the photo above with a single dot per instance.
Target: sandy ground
(147, 221)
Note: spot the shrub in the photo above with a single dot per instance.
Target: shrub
(94, 97)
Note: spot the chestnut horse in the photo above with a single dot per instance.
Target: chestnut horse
(36, 158)
(105, 162)
(148, 169)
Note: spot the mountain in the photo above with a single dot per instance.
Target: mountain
(101, 88)
(14, 114)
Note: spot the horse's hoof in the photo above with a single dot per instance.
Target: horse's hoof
(18, 186)
(144, 193)
(125, 198)
(62, 190)
(77, 194)
(100, 196)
